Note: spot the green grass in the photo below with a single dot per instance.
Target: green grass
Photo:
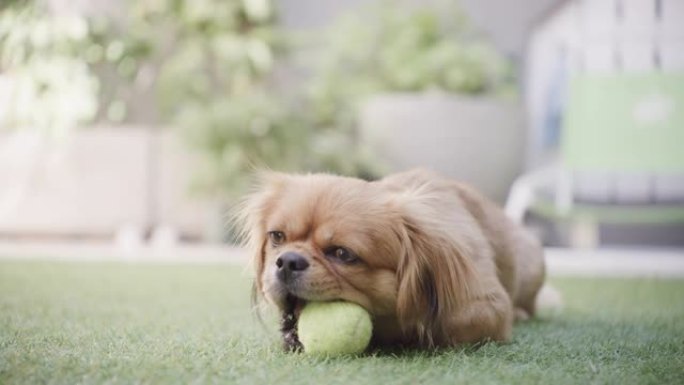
(74, 323)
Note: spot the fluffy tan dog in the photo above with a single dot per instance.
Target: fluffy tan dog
(433, 261)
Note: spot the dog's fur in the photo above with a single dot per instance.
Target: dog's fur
(438, 264)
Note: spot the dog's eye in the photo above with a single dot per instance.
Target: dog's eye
(276, 237)
(342, 255)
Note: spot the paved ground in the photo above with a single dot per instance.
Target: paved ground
(638, 262)
(104, 251)
(633, 262)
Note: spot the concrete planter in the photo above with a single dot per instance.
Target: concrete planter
(477, 140)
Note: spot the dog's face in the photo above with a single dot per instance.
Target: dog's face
(322, 238)
(377, 244)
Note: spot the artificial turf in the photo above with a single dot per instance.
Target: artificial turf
(69, 323)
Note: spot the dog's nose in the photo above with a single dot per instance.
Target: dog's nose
(289, 263)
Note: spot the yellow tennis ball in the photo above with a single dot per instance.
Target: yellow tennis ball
(334, 328)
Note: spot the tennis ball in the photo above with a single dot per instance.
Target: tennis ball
(334, 328)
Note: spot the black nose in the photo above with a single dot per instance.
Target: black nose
(290, 263)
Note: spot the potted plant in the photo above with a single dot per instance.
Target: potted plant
(419, 88)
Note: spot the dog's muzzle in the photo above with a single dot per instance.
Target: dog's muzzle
(290, 266)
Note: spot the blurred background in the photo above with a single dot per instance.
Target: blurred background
(134, 126)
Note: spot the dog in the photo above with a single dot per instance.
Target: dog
(434, 262)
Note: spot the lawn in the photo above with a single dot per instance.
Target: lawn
(71, 323)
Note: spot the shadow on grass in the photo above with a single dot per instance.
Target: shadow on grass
(464, 349)
(414, 351)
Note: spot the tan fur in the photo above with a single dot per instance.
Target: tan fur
(441, 265)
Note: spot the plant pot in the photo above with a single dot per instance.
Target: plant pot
(478, 140)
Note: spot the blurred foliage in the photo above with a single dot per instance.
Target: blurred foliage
(393, 48)
(211, 65)
(204, 67)
(43, 82)
(212, 69)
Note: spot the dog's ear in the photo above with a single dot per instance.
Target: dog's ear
(250, 218)
(435, 273)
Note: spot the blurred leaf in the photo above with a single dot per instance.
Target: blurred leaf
(46, 84)
(257, 10)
